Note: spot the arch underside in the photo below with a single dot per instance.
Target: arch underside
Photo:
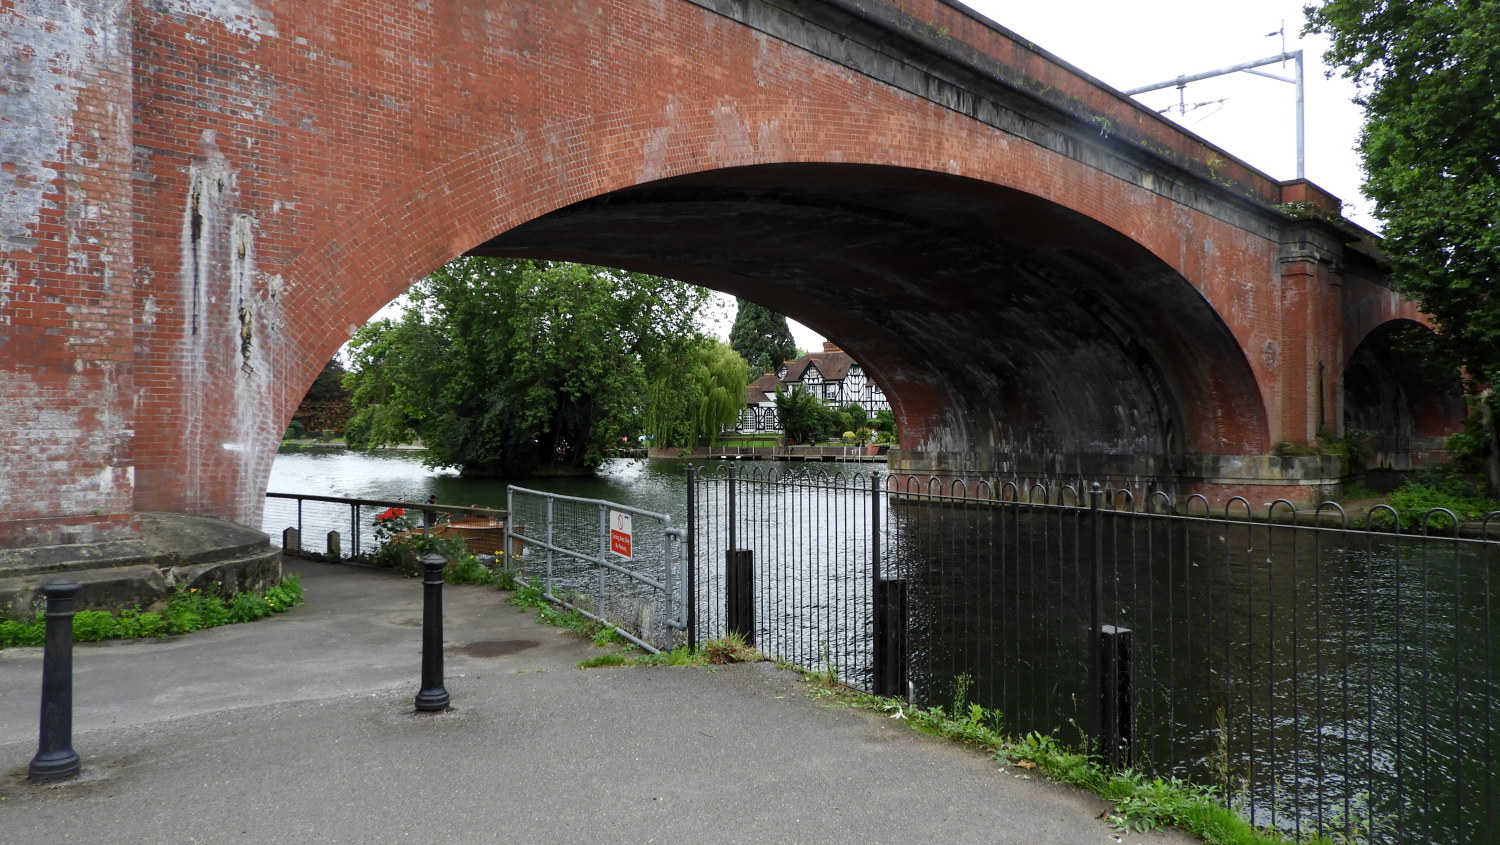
(999, 323)
(1391, 400)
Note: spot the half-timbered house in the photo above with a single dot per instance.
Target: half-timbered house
(832, 376)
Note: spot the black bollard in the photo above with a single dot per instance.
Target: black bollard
(55, 757)
(433, 695)
(739, 593)
(1115, 718)
(889, 663)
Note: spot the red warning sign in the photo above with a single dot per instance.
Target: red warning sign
(619, 533)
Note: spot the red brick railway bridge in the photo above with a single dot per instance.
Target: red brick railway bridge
(200, 200)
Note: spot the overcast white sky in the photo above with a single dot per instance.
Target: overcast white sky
(1130, 44)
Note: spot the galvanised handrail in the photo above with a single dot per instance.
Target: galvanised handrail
(551, 535)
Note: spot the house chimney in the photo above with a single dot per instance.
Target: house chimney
(830, 346)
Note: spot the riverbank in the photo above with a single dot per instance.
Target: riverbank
(337, 444)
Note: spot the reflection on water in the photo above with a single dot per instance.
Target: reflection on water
(650, 485)
(1314, 676)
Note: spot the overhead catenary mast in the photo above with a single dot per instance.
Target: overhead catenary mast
(1294, 56)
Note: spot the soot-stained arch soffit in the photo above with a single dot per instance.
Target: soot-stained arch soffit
(1043, 328)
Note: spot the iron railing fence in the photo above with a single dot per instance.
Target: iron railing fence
(811, 535)
(1326, 678)
(620, 565)
(315, 517)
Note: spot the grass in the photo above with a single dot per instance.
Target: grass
(730, 648)
(1142, 803)
(188, 609)
(746, 442)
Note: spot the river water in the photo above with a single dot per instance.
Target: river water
(659, 486)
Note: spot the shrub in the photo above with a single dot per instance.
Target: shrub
(467, 569)
(14, 633)
(287, 594)
(505, 579)
(134, 623)
(1353, 448)
(248, 607)
(1414, 503)
(91, 626)
(402, 547)
(190, 609)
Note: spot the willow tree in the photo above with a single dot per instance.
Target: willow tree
(696, 398)
(507, 367)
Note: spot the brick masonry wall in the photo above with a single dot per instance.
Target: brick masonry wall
(66, 346)
(274, 171)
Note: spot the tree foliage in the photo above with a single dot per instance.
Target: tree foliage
(1428, 73)
(326, 405)
(761, 337)
(803, 415)
(699, 397)
(850, 417)
(504, 367)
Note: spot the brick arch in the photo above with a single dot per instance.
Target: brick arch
(486, 192)
(483, 191)
(1390, 397)
(217, 195)
(963, 245)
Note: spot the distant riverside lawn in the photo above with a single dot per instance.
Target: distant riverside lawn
(188, 609)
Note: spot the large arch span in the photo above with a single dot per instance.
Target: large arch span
(999, 323)
(211, 196)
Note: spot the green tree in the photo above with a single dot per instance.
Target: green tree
(326, 405)
(885, 426)
(506, 367)
(1427, 74)
(694, 399)
(802, 414)
(761, 337)
(852, 416)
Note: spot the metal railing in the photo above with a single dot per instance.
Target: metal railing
(315, 517)
(814, 563)
(1325, 677)
(635, 580)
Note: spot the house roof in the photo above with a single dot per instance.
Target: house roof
(762, 389)
(833, 364)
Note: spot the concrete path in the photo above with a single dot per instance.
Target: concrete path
(300, 729)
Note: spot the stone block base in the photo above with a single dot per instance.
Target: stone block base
(174, 549)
